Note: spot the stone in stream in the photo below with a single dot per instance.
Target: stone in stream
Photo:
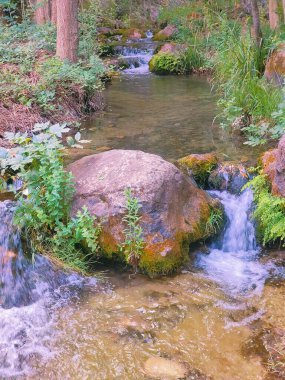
(166, 33)
(199, 166)
(229, 176)
(160, 368)
(273, 163)
(174, 210)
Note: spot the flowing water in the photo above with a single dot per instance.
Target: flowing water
(210, 317)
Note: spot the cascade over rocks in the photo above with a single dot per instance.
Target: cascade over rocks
(174, 210)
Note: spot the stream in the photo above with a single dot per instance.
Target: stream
(210, 317)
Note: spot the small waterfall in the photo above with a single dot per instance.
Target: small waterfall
(137, 55)
(30, 292)
(233, 261)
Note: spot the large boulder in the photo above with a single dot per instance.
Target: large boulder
(274, 168)
(174, 211)
(275, 66)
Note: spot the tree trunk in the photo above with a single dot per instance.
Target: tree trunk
(54, 12)
(273, 14)
(67, 30)
(43, 11)
(257, 34)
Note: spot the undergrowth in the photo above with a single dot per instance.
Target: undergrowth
(269, 212)
(44, 199)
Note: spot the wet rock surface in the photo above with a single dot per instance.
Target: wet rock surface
(229, 176)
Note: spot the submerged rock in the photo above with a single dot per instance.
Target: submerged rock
(199, 166)
(174, 210)
(166, 369)
(229, 176)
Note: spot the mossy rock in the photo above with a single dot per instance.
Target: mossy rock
(165, 34)
(166, 63)
(199, 166)
(174, 211)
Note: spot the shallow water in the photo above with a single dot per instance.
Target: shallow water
(171, 116)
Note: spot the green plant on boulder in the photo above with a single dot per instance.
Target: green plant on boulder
(134, 243)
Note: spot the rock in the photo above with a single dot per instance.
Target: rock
(199, 166)
(165, 369)
(274, 167)
(133, 34)
(275, 66)
(166, 33)
(268, 160)
(174, 211)
(229, 176)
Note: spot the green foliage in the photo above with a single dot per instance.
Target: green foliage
(45, 82)
(134, 242)
(269, 212)
(45, 196)
(88, 18)
(215, 222)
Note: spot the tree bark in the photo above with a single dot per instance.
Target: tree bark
(43, 11)
(67, 30)
(54, 12)
(257, 34)
(273, 14)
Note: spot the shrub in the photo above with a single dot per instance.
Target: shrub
(44, 200)
(269, 212)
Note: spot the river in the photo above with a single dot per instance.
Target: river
(210, 318)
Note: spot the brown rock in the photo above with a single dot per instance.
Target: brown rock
(166, 33)
(274, 167)
(275, 66)
(174, 211)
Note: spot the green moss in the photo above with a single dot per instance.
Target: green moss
(159, 37)
(166, 63)
(200, 166)
(269, 212)
(153, 263)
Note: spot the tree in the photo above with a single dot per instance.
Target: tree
(67, 30)
(257, 34)
(273, 14)
(42, 11)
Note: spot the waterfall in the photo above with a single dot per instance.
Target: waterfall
(29, 293)
(232, 261)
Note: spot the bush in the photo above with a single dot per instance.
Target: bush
(44, 200)
(269, 212)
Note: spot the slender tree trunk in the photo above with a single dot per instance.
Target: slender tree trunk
(43, 11)
(257, 34)
(67, 30)
(54, 11)
(273, 14)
